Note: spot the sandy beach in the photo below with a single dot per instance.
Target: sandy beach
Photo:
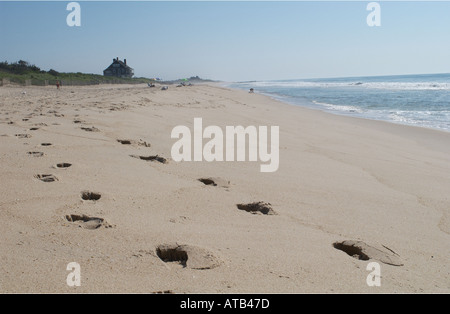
(81, 182)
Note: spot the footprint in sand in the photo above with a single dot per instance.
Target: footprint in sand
(87, 222)
(36, 154)
(90, 196)
(163, 292)
(151, 158)
(180, 219)
(91, 129)
(56, 113)
(46, 177)
(215, 182)
(23, 135)
(125, 142)
(143, 143)
(63, 165)
(257, 208)
(187, 256)
(365, 252)
(131, 142)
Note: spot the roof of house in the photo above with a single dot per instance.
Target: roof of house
(122, 64)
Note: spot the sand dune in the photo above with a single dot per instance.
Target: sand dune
(87, 177)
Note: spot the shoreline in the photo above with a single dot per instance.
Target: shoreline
(310, 105)
(384, 124)
(339, 179)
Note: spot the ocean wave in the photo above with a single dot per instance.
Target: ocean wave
(435, 120)
(423, 118)
(345, 108)
(355, 84)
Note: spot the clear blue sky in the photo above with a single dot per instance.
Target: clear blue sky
(232, 41)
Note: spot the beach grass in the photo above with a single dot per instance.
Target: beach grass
(23, 73)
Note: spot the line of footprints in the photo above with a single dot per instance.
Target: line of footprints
(200, 258)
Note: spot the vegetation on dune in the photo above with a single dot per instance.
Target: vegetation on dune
(21, 71)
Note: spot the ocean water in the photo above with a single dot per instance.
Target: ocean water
(419, 100)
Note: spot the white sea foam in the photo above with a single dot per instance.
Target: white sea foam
(356, 84)
(340, 107)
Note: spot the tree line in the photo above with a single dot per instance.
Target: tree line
(23, 67)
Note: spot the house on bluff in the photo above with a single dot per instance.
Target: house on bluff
(119, 69)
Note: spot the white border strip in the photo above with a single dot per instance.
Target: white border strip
(428, 1)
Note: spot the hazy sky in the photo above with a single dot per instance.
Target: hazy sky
(232, 41)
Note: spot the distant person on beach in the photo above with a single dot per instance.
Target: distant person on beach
(251, 90)
(57, 84)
